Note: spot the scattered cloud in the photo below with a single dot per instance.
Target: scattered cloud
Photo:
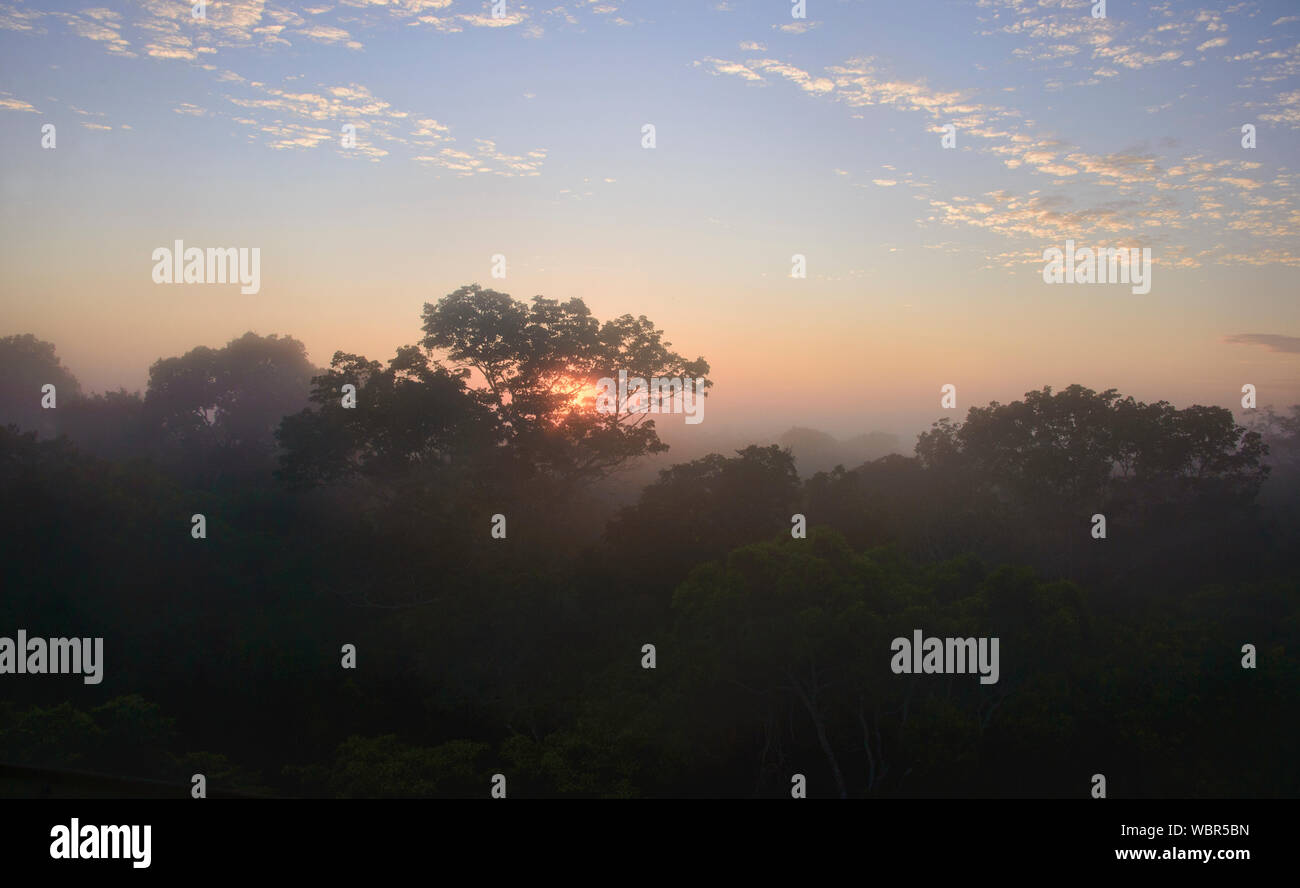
(1271, 341)
(802, 27)
(9, 103)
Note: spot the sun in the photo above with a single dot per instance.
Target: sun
(577, 394)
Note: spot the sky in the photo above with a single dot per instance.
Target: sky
(522, 135)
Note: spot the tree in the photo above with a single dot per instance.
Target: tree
(387, 767)
(27, 364)
(1028, 475)
(1079, 446)
(537, 367)
(109, 424)
(785, 647)
(411, 414)
(701, 509)
(221, 407)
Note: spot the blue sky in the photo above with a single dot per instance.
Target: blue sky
(775, 136)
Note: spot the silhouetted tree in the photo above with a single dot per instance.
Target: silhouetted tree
(109, 425)
(1029, 475)
(413, 414)
(701, 509)
(27, 364)
(217, 410)
(538, 367)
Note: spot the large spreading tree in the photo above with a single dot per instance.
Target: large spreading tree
(536, 368)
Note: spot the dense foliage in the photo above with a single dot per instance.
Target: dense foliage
(331, 525)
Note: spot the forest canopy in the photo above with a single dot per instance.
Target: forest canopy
(358, 504)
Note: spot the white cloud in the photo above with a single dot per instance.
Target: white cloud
(324, 33)
(797, 27)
